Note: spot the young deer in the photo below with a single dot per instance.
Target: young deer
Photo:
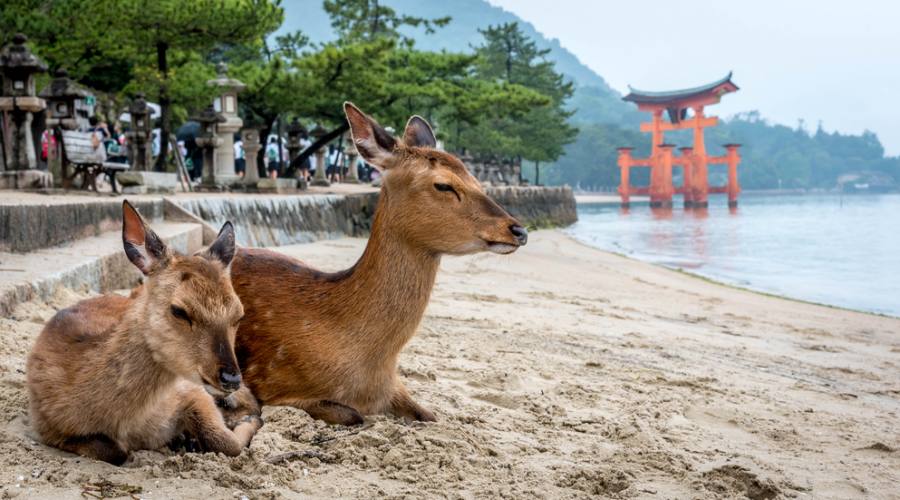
(328, 342)
(114, 374)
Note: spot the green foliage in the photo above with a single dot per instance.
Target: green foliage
(69, 33)
(162, 29)
(368, 20)
(590, 161)
(535, 125)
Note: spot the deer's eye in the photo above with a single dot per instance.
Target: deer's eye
(181, 314)
(446, 188)
(238, 321)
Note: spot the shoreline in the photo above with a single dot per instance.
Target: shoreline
(719, 282)
(561, 370)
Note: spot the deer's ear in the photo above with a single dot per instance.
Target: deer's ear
(142, 246)
(418, 133)
(373, 142)
(223, 248)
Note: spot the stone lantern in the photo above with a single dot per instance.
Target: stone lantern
(209, 141)
(140, 151)
(296, 132)
(517, 172)
(226, 104)
(69, 107)
(320, 179)
(350, 150)
(18, 103)
(252, 145)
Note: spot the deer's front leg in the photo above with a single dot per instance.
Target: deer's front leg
(202, 419)
(402, 405)
(238, 405)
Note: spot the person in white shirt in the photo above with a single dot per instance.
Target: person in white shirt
(240, 165)
(271, 158)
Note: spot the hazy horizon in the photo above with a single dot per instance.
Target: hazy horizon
(816, 61)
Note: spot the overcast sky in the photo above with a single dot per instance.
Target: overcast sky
(834, 61)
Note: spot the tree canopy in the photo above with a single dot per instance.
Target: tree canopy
(537, 132)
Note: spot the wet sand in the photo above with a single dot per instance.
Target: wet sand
(560, 371)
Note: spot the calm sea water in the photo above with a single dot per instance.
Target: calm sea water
(831, 249)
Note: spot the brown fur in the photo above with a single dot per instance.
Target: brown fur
(328, 343)
(114, 374)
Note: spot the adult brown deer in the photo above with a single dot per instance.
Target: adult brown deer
(328, 342)
(114, 374)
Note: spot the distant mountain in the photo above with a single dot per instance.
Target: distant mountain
(774, 156)
(595, 100)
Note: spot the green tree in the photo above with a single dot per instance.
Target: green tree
(163, 28)
(537, 132)
(66, 33)
(266, 69)
(368, 20)
(373, 65)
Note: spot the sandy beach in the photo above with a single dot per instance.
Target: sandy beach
(557, 372)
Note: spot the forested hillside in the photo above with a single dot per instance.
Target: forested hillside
(773, 155)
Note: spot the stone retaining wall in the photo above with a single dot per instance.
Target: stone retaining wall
(285, 220)
(24, 228)
(538, 207)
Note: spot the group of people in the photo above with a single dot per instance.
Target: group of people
(277, 162)
(111, 145)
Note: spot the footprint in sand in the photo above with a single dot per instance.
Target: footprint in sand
(735, 480)
(498, 399)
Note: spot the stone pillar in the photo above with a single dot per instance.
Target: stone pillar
(352, 176)
(140, 151)
(209, 141)
(295, 132)
(320, 179)
(250, 139)
(18, 103)
(68, 108)
(227, 106)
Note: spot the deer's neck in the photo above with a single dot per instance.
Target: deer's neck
(389, 287)
(138, 377)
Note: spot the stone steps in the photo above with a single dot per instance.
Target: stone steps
(96, 263)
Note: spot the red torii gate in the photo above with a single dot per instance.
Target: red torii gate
(692, 160)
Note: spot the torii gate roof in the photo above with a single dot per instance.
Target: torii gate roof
(705, 94)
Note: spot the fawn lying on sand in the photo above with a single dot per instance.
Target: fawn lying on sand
(328, 342)
(114, 374)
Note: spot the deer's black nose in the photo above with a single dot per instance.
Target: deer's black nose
(230, 381)
(520, 233)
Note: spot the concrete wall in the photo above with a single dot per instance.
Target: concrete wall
(538, 207)
(28, 227)
(284, 219)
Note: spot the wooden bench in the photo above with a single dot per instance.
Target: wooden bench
(79, 152)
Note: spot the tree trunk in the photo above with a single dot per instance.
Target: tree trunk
(537, 173)
(165, 103)
(322, 141)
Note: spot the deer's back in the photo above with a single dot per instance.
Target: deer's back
(63, 355)
(289, 339)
